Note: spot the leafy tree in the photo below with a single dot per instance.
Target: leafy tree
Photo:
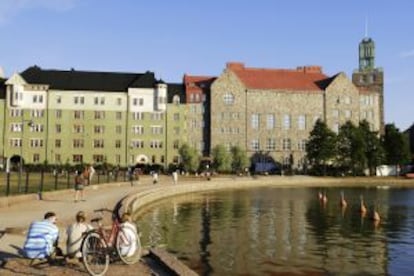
(395, 146)
(221, 159)
(374, 151)
(239, 159)
(351, 148)
(320, 148)
(189, 157)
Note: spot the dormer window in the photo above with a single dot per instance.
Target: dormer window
(176, 99)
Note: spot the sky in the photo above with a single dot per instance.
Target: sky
(174, 37)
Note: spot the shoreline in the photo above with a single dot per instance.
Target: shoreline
(16, 216)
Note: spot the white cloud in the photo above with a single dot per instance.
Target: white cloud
(10, 8)
(407, 54)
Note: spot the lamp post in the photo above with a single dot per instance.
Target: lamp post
(29, 123)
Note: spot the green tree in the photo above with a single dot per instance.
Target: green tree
(374, 151)
(190, 158)
(351, 149)
(221, 159)
(320, 148)
(239, 159)
(395, 145)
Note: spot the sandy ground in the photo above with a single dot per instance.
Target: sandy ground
(15, 219)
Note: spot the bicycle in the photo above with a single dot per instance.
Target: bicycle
(100, 246)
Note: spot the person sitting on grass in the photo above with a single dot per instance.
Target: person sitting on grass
(42, 239)
(75, 233)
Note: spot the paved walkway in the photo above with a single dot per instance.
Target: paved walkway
(15, 219)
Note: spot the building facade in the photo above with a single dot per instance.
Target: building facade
(72, 117)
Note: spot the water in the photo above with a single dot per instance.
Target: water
(268, 231)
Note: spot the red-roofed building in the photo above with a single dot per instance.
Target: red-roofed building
(270, 112)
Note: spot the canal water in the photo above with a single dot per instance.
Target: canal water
(268, 231)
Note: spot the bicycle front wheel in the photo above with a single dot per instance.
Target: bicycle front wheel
(128, 247)
(95, 255)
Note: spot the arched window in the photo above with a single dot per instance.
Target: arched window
(176, 99)
(228, 98)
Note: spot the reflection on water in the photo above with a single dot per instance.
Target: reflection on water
(266, 231)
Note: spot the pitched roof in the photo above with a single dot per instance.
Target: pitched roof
(197, 83)
(302, 78)
(175, 89)
(2, 88)
(86, 80)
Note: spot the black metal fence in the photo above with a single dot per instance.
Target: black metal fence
(16, 183)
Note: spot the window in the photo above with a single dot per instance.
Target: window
(302, 145)
(140, 101)
(254, 145)
(176, 116)
(98, 143)
(156, 144)
(286, 121)
(36, 158)
(118, 129)
(99, 129)
(176, 99)
(302, 122)
(176, 144)
(58, 128)
(118, 115)
(36, 143)
(99, 115)
(78, 128)
(176, 131)
(271, 144)
(15, 142)
(78, 158)
(58, 143)
(34, 98)
(138, 115)
(119, 101)
(58, 113)
(137, 144)
(58, 158)
(36, 128)
(157, 116)
(97, 158)
(137, 129)
(16, 112)
(96, 101)
(286, 144)
(16, 127)
(270, 121)
(79, 114)
(37, 113)
(156, 130)
(58, 99)
(78, 143)
(79, 100)
(118, 144)
(255, 121)
(176, 159)
(228, 98)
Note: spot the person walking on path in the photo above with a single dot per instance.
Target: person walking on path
(75, 233)
(175, 177)
(154, 177)
(79, 186)
(42, 238)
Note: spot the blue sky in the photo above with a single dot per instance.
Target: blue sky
(198, 37)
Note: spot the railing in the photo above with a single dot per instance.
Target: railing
(39, 182)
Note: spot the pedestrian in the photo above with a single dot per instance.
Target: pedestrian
(91, 173)
(154, 177)
(175, 177)
(75, 233)
(79, 186)
(42, 238)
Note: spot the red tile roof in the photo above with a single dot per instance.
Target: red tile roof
(197, 83)
(302, 78)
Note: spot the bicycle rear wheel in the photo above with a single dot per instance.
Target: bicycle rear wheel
(128, 249)
(95, 254)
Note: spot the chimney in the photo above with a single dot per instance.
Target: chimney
(235, 65)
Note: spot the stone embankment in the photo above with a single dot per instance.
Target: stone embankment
(17, 212)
